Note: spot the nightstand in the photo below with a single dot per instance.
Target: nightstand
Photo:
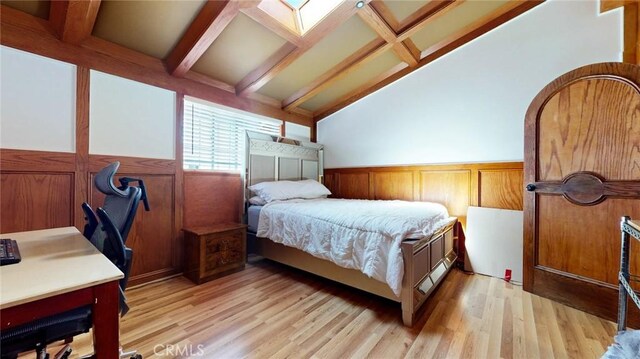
(214, 251)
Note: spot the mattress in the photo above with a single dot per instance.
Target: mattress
(253, 216)
(356, 234)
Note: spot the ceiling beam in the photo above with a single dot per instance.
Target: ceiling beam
(381, 8)
(73, 20)
(203, 31)
(405, 54)
(404, 48)
(346, 66)
(415, 51)
(208, 80)
(358, 92)
(29, 33)
(443, 9)
(267, 71)
(268, 21)
(371, 17)
(459, 38)
(631, 32)
(431, 8)
(606, 5)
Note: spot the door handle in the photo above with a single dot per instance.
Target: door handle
(531, 187)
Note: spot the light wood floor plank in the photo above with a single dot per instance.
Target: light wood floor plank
(269, 310)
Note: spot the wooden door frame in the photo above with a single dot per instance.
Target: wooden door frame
(590, 295)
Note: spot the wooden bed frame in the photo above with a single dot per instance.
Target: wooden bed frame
(426, 260)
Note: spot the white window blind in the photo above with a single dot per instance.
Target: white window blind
(214, 138)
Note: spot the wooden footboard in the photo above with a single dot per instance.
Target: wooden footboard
(426, 262)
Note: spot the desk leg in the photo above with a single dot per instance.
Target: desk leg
(106, 320)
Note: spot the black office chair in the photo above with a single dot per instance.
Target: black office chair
(116, 215)
(108, 231)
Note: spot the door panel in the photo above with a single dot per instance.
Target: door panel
(591, 125)
(582, 166)
(568, 244)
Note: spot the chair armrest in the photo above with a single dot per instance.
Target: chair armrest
(91, 221)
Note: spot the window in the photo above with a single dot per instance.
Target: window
(295, 4)
(214, 138)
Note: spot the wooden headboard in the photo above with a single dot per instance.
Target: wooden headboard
(273, 158)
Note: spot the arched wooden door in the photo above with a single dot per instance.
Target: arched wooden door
(582, 170)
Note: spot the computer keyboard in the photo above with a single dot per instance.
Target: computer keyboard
(9, 253)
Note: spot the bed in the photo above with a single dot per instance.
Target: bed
(413, 253)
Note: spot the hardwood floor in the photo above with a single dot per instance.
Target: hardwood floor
(269, 310)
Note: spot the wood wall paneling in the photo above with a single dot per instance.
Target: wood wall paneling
(501, 189)
(178, 194)
(457, 186)
(353, 185)
(451, 188)
(32, 201)
(23, 160)
(392, 185)
(331, 182)
(152, 234)
(43, 189)
(212, 198)
(155, 235)
(82, 182)
(133, 164)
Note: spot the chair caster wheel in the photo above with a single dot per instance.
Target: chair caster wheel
(136, 356)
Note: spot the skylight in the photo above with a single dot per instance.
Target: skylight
(305, 13)
(296, 4)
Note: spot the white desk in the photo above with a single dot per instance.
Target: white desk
(61, 270)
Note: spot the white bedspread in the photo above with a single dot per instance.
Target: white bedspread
(358, 234)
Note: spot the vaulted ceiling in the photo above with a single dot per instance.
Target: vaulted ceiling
(311, 60)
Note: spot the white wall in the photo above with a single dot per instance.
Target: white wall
(469, 105)
(129, 118)
(298, 132)
(37, 102)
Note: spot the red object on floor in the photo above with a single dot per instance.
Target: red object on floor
(507, 275)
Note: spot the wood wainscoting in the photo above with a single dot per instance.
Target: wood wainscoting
(212, 198)
(154, 236)
(43, 190)
(457, 186)
(37, 190)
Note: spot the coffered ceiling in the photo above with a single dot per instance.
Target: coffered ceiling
(312, 60)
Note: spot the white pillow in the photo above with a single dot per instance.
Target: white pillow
(257, 201)
(281, 190)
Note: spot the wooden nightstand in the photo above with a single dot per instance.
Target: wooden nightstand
(214, 251)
